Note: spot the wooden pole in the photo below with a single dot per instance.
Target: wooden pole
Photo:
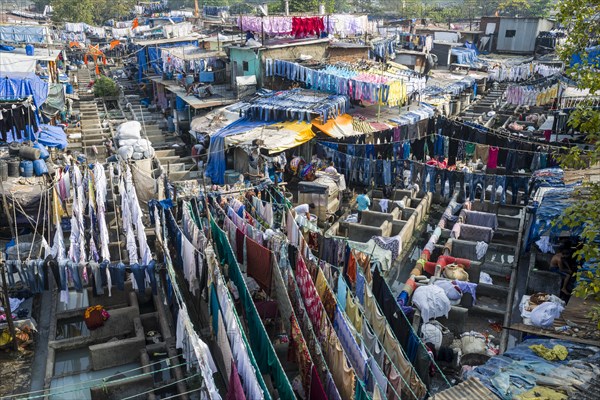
(7, 310)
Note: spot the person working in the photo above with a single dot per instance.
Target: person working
(363, 202)
(331, 169)
(304, 209)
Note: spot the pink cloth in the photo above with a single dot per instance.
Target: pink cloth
(492, 157)
(235, 390)
(316, 387)
(311, 298)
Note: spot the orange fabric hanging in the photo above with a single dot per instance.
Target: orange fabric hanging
(97, 70)
(103, 60)
(114, 44)
(352, 268)
(135, 23)
(85, 60)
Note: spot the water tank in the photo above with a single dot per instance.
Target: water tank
(39, 167)
(29, 49)
(26, 168)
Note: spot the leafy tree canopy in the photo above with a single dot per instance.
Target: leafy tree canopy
(581, 18)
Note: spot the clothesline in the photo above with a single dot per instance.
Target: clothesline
(363, 159)
(328, 141)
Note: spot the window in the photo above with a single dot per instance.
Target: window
(245, 65)
(510, 33)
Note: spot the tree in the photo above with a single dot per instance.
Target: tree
(40, 4)
(525, 8)
(581, 18)
(93, 12)
(73, 11)
(105, 87)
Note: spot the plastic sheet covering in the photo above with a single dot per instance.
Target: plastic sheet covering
(339, 127)
(24, 34)
(52, 136)
(56, 98)
(14, 87)
(215, 168)
(276, 137)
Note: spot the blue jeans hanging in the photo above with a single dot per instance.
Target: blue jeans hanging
(500, 182)
(477, 179)
(517, 183)
(430, 172)
(139, 276)
(387, 172)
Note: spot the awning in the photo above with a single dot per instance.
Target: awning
(337, 128)
(276, 137)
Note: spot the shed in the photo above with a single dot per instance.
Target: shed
(246, 60)
(513, 34)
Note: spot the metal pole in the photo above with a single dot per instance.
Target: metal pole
(7, 310)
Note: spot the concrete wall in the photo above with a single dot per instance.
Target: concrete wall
(119, 352)
(343, 54)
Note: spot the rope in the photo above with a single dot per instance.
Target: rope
(36, 227)
(49, 393)
(161, 387)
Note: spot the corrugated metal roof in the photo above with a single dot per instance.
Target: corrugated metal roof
(471, 389)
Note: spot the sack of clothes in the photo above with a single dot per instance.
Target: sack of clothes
(95, 316)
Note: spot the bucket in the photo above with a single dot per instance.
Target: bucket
(29, 50)
(39, 167)
(69, 88)
(44, 154)
(29, 153)
(26, 168)
(13, 168)
(3, 171)
(13, 148)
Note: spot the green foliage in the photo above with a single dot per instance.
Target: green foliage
(525, 8)
(581, 17)
(40, 4)
(73, 11)
(93, 12)
(105, 87)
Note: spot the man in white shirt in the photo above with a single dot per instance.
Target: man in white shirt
(331, 169)
(304, 209)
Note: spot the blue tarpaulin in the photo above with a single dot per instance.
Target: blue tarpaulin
(14, 87)
(52, 136)
(592, 57)
(215, 168)
(24, 34)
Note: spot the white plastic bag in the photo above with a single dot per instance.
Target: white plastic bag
(125, 152)
(544, 314)
(129, 130)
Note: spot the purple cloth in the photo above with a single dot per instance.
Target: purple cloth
(236, 391)
(467, 287)
(472, 232)
(480, 218)
(389, 243)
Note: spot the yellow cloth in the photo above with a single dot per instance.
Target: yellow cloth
(353, 312)
(339, 127)
(541, 393)
(558, 352)
(321, 283)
